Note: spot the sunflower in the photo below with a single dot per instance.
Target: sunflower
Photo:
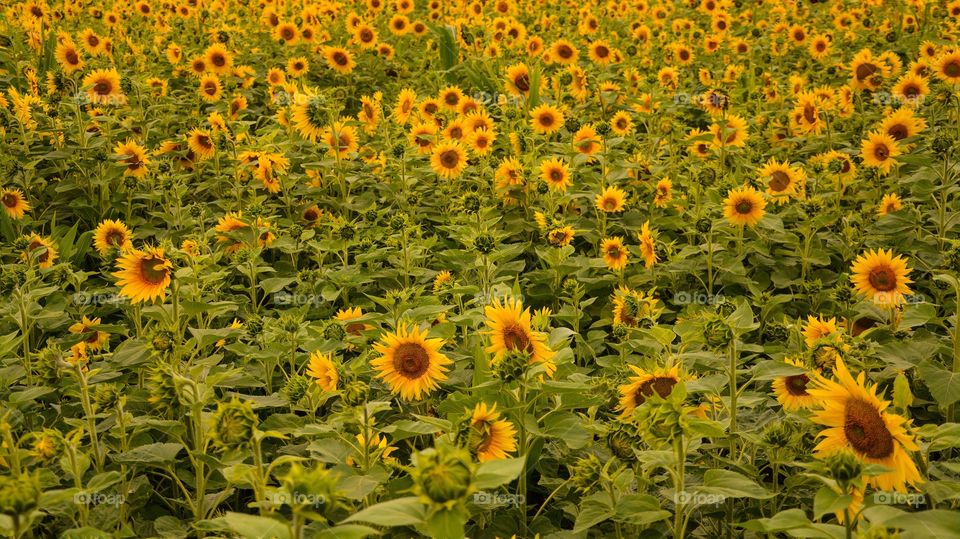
(631, 307)
(455, 130)
(297, 67)
(510, 330)
(68, 56)
(791, 390)
(423, 136)
(911, 89)
(563, 52)
(614, 253)
(732, 133)
(891, 203)
(644, 384)
(699, 143)
(201, 144)
(857, 421)
(781, 180)
(91, 41)
(663, 193)
(481, 141)
(134, 157)
(45, 255)
(518, 79)
(218, 58)
(450, 97)
(621, 123)
(348, 316)
(143, 274)
(112, 234)
(902, 124)
(561, 236)
(744, 206)
(880, 276)
(103, 87)
(600, 52)
(323, 370)
(817, 328)
(405, 102)
(819, 47)
(94, 340)
(878, 150)
(309, 117)
(586, 140)
(365, 36)
(546, 119)
(210, 89)
(867, 71)
(339, 59)
(410, 363)
(448, 160)
(286, 32)
(948, 68)
(14, 203)
(491, 438)
(341, 139)
(556, 174)
(648, 246)
(611, 200)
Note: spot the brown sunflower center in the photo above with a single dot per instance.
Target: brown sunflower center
(37, 244)
(661, 384)
(866, 430)
(287, 33)
(911, 91)
(355, 328)
(865, 70)
(411, 360)
(522, 82)
(810, 114)
(102, 87)
(898, 131)
(516, 338)
(602, 52)
(115, 237)
(449, 159)
(556, 175)
(797, 385)
(609, 204)
(153, 270)
(72, 57)
(563, 51)
(952, 69)
(9, 200)
(744, 207)
(366, 35)
(218, 60)
(881, 152)
(883, 278)
(779, 181)
(340, 58)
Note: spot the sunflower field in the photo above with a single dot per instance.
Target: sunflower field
(285, 269)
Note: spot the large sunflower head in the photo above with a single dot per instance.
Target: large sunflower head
(448, 159)
(144, 274)
(103, 87)
(791, 390)
(491, 438)
(556, 174)
(881, 277)
(614, 253)
(410, 363)
(546, 119)
(856, 420)
(510, 331)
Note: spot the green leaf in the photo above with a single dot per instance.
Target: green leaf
(943, 384)
(639, 510)
(732, 484)
(828, 500)
(592, 512)
(255, 527)
(150, 454)
(400, 512)
(347, 531)
(447, 524)
(494, 473)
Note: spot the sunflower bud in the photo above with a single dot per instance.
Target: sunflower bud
(295, 388)
(234, 424)
(622, 440)
(718, 333)
(484, 244)
(162, 390)
(355, 392)
(106, 396)
(315, 488)
(19, 495)
(585, 473)
(844, 467)
(776, 435)
(902, 396)
(660, 420)
(704, 225)
(443, 475)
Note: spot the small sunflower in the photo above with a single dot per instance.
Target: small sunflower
(546, 119)
(112, 234)
(339, 59)
(948, 68)
(410, 363)
(648, 247)
(791, 390)
(144, 274)
(46, 253)
(201, 144)
(14, 203)
(323, 370)
(94, 340)
(103, 87)
(614, 253)
(134, 157)
(817, 328)
(509, 329)
(491, 438)
(644, 384)
(891, 203)
(556, 174)
(744, 206)
(341, 138)
(449, 160)
(856, 420)
(882, 277)
(781, 180)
